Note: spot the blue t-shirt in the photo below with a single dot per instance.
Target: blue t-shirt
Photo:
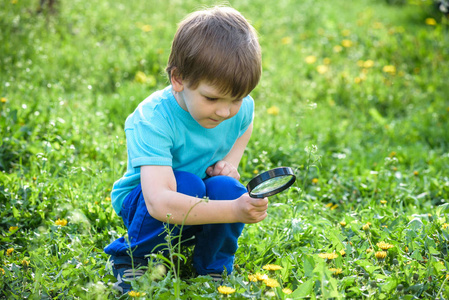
(159, 132)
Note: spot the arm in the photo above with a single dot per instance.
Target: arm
(161, 198)
(228, 166)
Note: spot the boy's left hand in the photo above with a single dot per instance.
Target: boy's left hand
(223, 168)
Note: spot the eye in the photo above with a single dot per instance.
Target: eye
(211, 98)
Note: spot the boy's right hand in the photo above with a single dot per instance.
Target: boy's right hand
(250, 210)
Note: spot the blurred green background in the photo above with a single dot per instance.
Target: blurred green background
(365, 82)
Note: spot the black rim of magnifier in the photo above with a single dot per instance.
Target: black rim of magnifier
(277, 172)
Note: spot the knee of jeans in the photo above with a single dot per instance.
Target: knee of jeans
(190, 184)
(224, 188)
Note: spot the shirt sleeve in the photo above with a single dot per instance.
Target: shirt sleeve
(149, 143)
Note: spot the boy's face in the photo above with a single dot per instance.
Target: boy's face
(205, 104)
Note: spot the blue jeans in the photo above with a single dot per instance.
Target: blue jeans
(215, 244)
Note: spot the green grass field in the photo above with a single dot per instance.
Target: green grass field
(353, 97)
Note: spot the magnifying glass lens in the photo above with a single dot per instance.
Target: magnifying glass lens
(271, 182)
(271, 185)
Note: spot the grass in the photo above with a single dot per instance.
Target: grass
(365, 84)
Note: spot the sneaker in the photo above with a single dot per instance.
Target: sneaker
(125, 274)
(216, 277)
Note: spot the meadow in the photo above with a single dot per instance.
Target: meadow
(353, 97)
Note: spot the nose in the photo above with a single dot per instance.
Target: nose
(223, 111)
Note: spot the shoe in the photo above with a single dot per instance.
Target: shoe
(125, 274)
(216, 277)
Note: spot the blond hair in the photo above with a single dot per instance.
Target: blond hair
(220, 47)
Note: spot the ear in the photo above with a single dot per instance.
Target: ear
(176, 81)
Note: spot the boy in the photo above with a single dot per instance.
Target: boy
(185, 143)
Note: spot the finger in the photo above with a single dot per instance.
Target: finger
(210, 170)
(259, 202)
(218, 168)
(259, 218)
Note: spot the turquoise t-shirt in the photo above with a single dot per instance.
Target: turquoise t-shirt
(159, 132)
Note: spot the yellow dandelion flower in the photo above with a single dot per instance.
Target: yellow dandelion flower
(326, 61)
(328, 255)
(445, 225)
(286, 40)
(60, 222)
(25, 262)
(272, 267)
(3, 100)
(368, 64)
(369, 250)
(14, 1)
(360, 63)
(310, 59)
(416, 173)
(381, 255)
(146, 28)
(322, 69)
(431, 22)
(323, 255)
(9, 251)
(366, 226)
(329, 204)
(107, 199)
(287, 291)
(336, 271)
(346, 43)
(342, 252)
(271, 282)
(337, 48)
(357, 80)
(334, 206)
(13, 228)
(252, 278)
(261, 277)
(343, 224)
(384, 246)
(274, 110)
(135, 294)
(226, 290)
(315, 180)
(2, 271)
(389, 69)
(256, 172)
(383, 201)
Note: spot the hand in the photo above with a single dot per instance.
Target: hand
(223, 168)
(250, 210)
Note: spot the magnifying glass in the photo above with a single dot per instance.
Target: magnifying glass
(271, 182)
